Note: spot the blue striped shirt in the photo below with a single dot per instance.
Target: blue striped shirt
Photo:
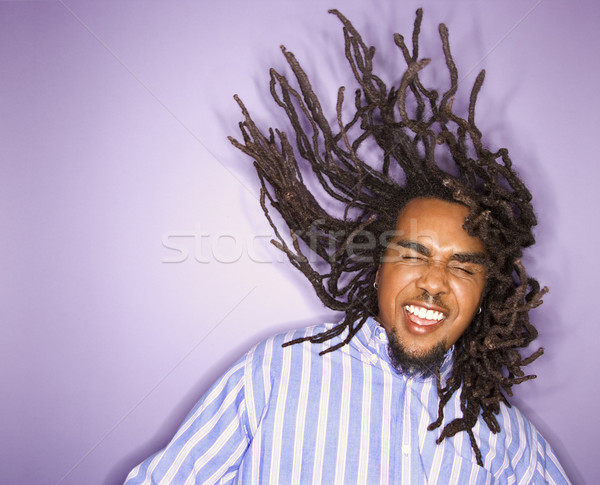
(290, 416)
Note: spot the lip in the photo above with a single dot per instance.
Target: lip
(421, 326)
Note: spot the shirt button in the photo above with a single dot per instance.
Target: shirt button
(406, 449)
(373, 359)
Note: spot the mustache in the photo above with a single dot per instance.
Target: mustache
(430, 299)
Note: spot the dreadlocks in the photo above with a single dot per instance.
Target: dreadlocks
(425, 150)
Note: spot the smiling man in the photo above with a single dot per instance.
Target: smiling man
(430, 283)
(422, 255)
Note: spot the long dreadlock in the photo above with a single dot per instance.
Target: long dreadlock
(416, 132)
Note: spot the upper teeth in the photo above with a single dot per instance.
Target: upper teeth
(424, 313)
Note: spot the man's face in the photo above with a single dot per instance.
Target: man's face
(431, 280)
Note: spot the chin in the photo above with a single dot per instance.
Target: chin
(415, 362)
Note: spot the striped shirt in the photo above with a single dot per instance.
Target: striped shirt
(290, 416)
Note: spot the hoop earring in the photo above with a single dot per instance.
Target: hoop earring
(375, 285)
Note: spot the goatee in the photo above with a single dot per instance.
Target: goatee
(424, 364)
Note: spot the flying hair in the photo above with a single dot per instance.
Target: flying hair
(424, 149)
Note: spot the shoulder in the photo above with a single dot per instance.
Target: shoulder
(273, 349)
(525, 452)
(271, 354)
(264, 361)
(274, 373)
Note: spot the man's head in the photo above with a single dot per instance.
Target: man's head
(430, 282)
(455, 201)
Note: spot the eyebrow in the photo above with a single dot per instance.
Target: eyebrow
(475, 258)
(415, 246)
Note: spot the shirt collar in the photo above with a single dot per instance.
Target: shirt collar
(372, 339)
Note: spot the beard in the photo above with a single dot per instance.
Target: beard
(423, 364)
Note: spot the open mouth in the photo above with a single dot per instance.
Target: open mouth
(422, 316)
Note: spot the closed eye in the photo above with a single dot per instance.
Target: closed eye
(413, 259)
(467, 269)
(464, 270)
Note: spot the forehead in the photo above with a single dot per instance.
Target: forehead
(437, 223)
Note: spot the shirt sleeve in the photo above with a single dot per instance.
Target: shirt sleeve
(211, 442)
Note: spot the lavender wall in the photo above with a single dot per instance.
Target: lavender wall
(113, 117)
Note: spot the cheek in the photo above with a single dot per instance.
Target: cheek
(467, 299)
(391, 284)
(394, 281)
(468, 296)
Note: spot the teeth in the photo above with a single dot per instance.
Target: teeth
(424, 313)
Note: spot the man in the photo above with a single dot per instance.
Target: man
(422, 254)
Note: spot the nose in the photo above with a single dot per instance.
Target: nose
(434, 278)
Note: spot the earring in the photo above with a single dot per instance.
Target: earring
(479, 311)
(375, 285)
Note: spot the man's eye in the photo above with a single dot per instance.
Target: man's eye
(413, 259)
(463, 269)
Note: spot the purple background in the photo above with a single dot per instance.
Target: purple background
(113, 153)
